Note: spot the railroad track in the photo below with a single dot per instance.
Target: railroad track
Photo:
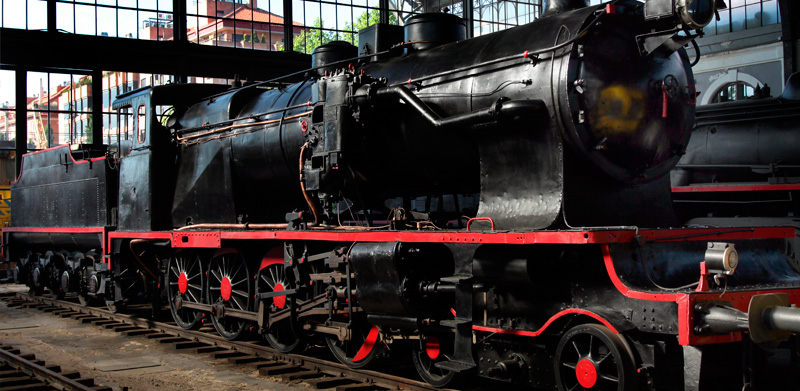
(318, 373)
(24, 372)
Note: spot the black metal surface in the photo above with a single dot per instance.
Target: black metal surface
(425, 31)
(56, 191)
(373, 139)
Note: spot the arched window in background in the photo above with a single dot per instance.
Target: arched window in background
(737, 90)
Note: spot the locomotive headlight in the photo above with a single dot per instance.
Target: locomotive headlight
(695, 13)
(721, 257)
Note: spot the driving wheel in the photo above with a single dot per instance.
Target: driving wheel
(592, 357)
(185, 282)
(229, 287)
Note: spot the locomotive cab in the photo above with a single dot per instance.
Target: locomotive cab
(146, 153)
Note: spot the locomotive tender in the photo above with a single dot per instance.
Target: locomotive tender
(477, 201)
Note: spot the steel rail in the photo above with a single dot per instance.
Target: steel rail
(53, 379)
(334, 369)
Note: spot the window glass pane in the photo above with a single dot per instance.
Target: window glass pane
(65, 18)
(770, 12)
(14, 14)
(142, 123)
(37, 15)
(8, 118)
(165, 5)
(148, 4)
(737, 19)
(8, 85)
(107, 22)
(127, 24)
(85, 19)
(724, 25)
(753, 16)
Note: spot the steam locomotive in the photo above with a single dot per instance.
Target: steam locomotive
(496, 205)
(741, 164)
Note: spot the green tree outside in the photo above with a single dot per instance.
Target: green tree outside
(310, 39)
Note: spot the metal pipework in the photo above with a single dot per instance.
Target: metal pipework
(783, 318)
(768, 319)
(502, 109)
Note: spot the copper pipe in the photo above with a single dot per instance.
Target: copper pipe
(233, 226)
(138, 256)
(311, 204)
(244, 125)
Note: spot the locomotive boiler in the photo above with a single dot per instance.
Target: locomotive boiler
(498, 206)
(481, 117)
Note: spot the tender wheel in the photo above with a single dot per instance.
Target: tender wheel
(58, 275)
(430, 350)
(281, 336)
(229, 286)
(361, 350)
(36, 276)
(591, 357)
(185, 282)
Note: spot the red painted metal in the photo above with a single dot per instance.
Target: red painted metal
(686, 301)
(198, 239)
(535, 237)
(432, 347)
(489, 219)
(273, 257)
(703, 285)
(225, 288)
(183, 283)
(586, 373)
(524, 333)
(732, 188)
(280, 301)
(368, 346)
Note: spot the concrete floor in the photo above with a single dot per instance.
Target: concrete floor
(135, 363)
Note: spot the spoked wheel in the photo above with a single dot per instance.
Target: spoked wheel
(591, 357)
(430, 350)
(229, 285)
(361, 350)
(185, 282)
(281, 336)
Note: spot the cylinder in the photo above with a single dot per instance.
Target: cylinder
(425, 31)
(326, 57)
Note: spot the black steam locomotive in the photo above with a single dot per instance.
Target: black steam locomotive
(480, 201)
(742, 165)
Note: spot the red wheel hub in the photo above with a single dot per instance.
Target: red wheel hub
(432, 347)
(183, 283)
(225, 288)
(280, 301)
(586, 372)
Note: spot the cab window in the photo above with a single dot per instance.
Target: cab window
(141, 123)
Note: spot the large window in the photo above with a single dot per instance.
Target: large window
(8, 117)
(252, 24)
(744, 14)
